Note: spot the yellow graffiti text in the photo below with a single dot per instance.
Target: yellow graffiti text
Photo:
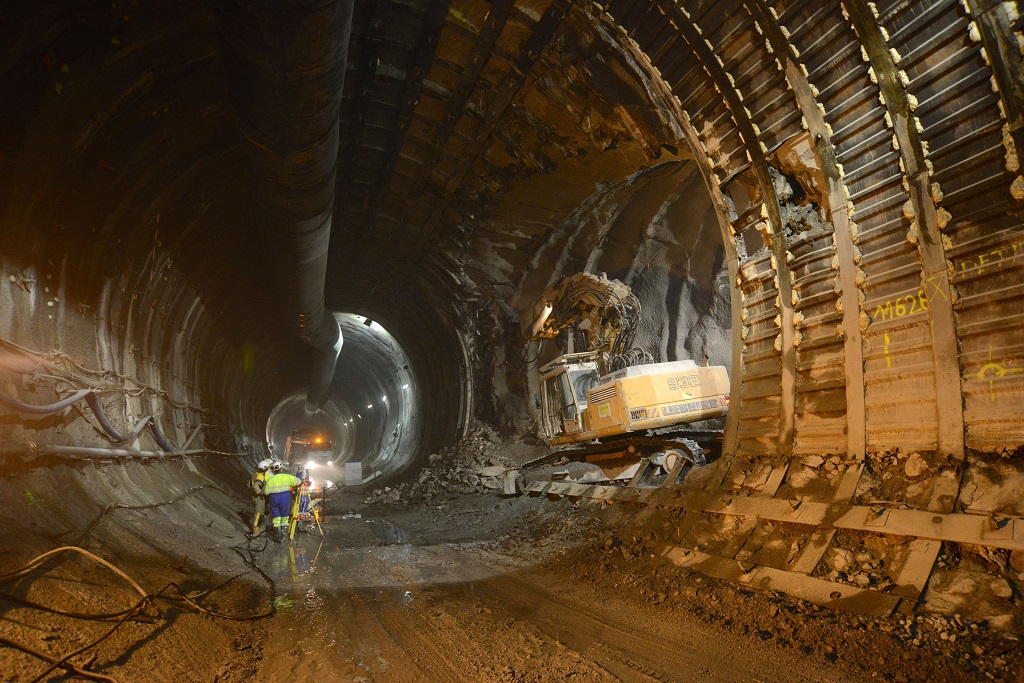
(997, 257)
(991, 371)
(900, 307)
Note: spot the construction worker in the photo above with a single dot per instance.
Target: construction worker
(258, 485)
(279, 495)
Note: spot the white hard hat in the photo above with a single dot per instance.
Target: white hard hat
(264, 464)
(276, 466)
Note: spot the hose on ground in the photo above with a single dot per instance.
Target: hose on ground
(190, 599)
(81, 673)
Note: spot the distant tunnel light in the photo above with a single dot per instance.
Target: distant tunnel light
(383, 398)
(369, 407)
(310, 465)
(405, 386)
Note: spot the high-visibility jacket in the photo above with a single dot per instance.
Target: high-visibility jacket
(277, 483)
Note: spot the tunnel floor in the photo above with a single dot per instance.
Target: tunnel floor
(528, 589)
(468, 587)
(485, 589)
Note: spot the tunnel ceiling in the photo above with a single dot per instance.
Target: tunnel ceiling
(475, 136)
(859, 162)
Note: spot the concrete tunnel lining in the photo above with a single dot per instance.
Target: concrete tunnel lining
(372, 412)
(823, 198)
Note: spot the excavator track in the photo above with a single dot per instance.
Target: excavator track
(642, 445)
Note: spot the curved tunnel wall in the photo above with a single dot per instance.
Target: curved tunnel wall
(897, 291)
(122, 195)
(122, 243)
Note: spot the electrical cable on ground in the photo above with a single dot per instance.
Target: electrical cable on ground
(81, 673)
(123, 616)
(190, 599)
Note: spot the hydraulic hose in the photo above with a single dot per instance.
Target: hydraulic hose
(94, 404)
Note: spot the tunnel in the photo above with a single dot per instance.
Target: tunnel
(318, 232)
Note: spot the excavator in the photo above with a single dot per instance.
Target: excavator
(610, 405)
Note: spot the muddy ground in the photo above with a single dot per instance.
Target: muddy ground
(475, 588)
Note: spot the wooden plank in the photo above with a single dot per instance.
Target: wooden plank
(837, 596)
(812, 553)
(913, 577)
(740, 538)
(771, 487)
(987, 530)
(848, 484)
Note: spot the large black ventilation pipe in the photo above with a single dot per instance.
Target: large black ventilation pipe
(285, 62)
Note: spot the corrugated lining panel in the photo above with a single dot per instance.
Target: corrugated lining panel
(964, 131)
(820, 420)
(754, 71)
(820, 363)
(898, 360)
(682, 71)
(762, 363)
(713, 122)
(771, 107)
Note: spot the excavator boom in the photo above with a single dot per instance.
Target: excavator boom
(601, 314)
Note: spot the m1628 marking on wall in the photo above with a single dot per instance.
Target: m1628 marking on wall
(900, 307)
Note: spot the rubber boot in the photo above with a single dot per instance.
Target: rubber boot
(275, 534)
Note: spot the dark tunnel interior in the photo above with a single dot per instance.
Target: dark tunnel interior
(230, 225)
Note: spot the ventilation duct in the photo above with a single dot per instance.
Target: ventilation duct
(285, 62)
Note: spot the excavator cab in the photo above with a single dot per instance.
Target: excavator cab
(564, 396)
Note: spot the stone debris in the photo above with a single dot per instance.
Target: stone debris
(858, 567)
(1001, 589)
(915, 465)
(984, 645)
(474, 465)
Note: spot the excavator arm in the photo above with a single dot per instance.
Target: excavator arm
(601, 314)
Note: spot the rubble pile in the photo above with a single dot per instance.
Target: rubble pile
(918, 646)
(473, 465)
(857, 567)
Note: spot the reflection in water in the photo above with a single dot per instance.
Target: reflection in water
(367, 555)
(392, 535)
(291, 571)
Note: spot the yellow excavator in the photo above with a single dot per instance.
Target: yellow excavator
(611, 404)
